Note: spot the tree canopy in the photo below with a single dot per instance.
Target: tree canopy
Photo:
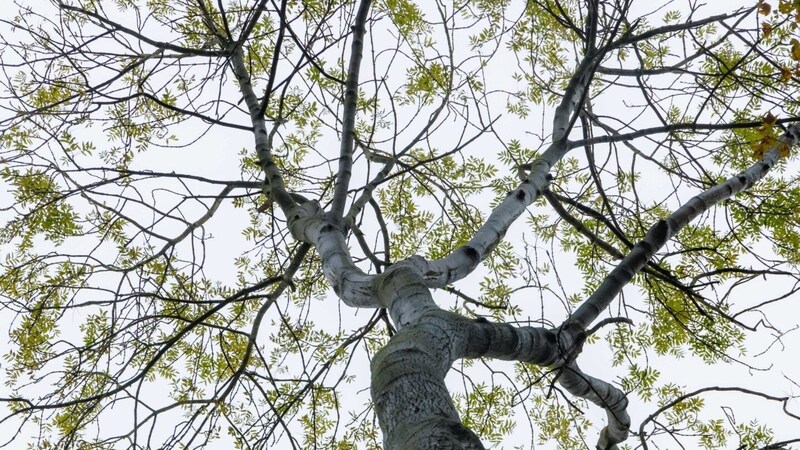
(399, 223)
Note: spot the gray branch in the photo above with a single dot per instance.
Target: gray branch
(602, 394)
(665, 229)
(349, 113)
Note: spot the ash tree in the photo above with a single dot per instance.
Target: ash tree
(398, 224)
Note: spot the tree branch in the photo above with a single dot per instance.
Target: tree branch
(349, 114)
(464, 259)
(602, 394)
(665, 229)
(694, 126)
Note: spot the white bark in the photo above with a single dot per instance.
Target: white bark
(604, 395)
(275, 185)
(350, 283)
(465, 259)
(349, 113)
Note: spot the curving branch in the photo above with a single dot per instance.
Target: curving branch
(462, 261)
(604, 395)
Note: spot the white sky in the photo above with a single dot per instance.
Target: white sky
(214, 156)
